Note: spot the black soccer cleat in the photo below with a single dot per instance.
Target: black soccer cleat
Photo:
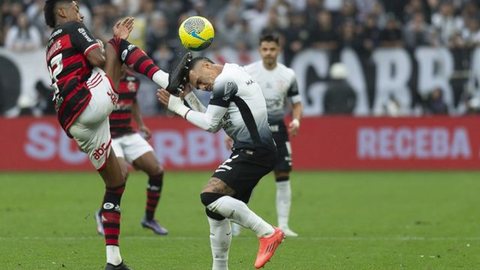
(121, 266)
(179, 75)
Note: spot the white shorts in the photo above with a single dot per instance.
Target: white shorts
(130, 147)
(91, 130)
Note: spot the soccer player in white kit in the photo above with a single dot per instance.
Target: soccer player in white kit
(238, 106)
(278, 84)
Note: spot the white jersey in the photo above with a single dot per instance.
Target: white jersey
(277, 85)
(245, 120)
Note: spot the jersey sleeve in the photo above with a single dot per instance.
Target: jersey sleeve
(223, 92)
(81, 38)
(292, 92)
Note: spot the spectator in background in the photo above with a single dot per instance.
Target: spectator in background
(340, 98)
(347, 12)
(471, 33)
(11, 12)
(296, 36)
(323, 35)
(163, 55)
(228, 27)
(273, 24)
(174, 8)
(370, 34)
(349, 37)
(435, 104)
(257, 17)
(142, 19)
(445, 22)
(312, 7)
(394, 7)
(417, 32)
(34, 13)
(416, 6)
(391, 35)
(23, 37)
(100, 28)
(158, 33)
(364, 7)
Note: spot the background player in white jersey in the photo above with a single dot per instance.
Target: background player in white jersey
(236, 105)
(278, 84)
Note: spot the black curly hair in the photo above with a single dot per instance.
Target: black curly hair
(270, 37)
(49, 11)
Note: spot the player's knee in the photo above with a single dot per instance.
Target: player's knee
(153, 170)
(209, 197)
(158, 169)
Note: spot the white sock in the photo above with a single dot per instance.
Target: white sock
(161, 78)
(220, 239)
(239, 212)
(284, 200)
(113, 255)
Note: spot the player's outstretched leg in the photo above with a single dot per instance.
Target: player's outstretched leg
(283, 203)
(269, 237)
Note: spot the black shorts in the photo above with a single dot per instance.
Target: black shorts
(284, 150)
(244, 169)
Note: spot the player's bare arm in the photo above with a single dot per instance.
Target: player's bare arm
(294, 126)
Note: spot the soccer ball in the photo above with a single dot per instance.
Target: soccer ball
(196, 33)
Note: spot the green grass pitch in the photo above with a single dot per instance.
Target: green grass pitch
(351, 220)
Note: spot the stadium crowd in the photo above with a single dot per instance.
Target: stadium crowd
(326, 24)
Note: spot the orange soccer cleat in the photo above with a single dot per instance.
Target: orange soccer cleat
(267, 247)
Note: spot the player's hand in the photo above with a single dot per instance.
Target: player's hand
(163, 96)
(102, 46)
(293, 127)
(146, 133)
(228, 142)
(123, 28)
(173, 103)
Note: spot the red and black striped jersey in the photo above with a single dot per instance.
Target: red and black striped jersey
(69, 69)
(121, 117)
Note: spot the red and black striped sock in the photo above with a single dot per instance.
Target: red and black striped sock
(134, 57)
(154, 191)
(111, 214)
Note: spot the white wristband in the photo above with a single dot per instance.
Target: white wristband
(161, 78)
(296, 123)
(175, 104)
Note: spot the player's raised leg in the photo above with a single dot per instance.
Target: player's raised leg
(136, 59)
